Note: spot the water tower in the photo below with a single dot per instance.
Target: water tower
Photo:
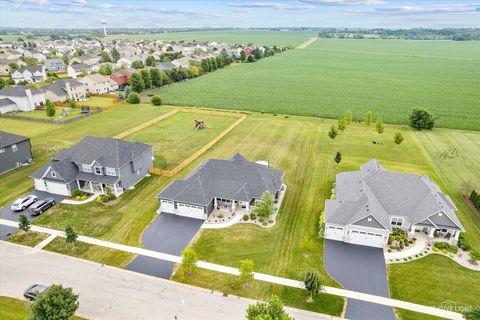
(104, 23)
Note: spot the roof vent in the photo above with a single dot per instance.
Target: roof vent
(440, 214)
(369, 219)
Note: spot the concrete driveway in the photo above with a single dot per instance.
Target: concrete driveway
(359, 268)
(8, 214)
(114, 294)
(168, 234)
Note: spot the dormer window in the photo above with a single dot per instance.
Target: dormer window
(98, 170)
(86, 168)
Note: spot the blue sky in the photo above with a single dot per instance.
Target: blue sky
(236, 13)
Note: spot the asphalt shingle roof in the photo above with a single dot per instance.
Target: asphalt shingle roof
(19, 91)
(382, 194)
(236, 178)
(7, 139)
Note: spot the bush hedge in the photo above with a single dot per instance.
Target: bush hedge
(446, 247)
(133, 98)
(156, 100)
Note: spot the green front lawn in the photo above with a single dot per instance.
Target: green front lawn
(97, 102)
(31, 238)
(14, 309)
(175, 138)
(434, 281)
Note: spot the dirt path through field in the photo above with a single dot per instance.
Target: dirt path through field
(307, 43)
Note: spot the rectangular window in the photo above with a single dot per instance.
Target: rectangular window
(110, 171)
(54, 174)
(2, 150)
(397, 222)
(86, 168)
(14, 148)
(98, 170)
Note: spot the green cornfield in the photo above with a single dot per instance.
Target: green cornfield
(331, 76)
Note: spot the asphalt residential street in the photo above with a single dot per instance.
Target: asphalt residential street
(170, 234)
(112, 293)
(362, 269)
(8, 214)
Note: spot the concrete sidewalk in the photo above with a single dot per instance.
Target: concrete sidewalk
(109, 293)
(258, 276)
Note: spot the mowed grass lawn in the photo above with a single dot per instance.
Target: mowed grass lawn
(436, 281)
(175, 138)
(331, 76)
(98, 102)
(279, 38)
(31, 238)
(14, 309)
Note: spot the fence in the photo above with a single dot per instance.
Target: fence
(53, 121)
(190, 159)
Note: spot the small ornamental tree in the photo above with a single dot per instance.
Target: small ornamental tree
(137, 64)
(136, 82)
(49, 109)
(189, 261)
(379, 126)
(312, 283)
(246, 272)
(264, 207)
(342, 124)
(349, 117)
(421, 119)
(368, 118)
(333, 132)
(156, 77)
(133, 98)
(398, 138)
(156, 100)
(55, 303)
(23, 223)
(70, 235)
(272, 310)
(338, 157)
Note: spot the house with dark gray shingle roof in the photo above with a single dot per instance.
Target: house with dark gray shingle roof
(63, 89)
(371, 202)
(235, 182)
(30, 74)
(15, 151)
(94, 164)
(23, 98)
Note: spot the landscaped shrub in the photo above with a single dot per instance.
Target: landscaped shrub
(475, 255)
(84, 197)
(270, 221)
(156, 100)
(463, 242)
(105, 198)
(78, 198)
(435, 249)
(390, 239)
(446, 246)
(133, 98)
(245, 217)
(389, 250)
(261, 220)
(253, 216)
(444, 251)
(77, 193)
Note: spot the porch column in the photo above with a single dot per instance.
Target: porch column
(457, 234)
(78, 184)
(91, 186)
(247, 206)
(233, 205)
(412, 230)
(101, 188)
(115, 188)
(215, 203)
(432, 231)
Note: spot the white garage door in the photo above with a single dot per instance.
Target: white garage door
(334, 233)
(191, 211)
(167, 206)
(371, 239)
(57, 188)
(40, 185)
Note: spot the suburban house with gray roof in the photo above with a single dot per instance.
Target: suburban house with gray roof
(235, 182)
(76, 70)
(30, 74)
(371, 202)
(94, 164)
(15, 151)
(20, 99)
(63, 89)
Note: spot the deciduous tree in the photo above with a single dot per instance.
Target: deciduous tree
(312, 283)
(332, 133)
(189, 261)
(338, 157)
(55, 303)
(23, 223)
(246, 272)
(136, 82)
(265, 206)
(49, 109)
(421, 119)
(398, 138)
(70, 235)
(379, 126)
(368, 118)
(147, 80)
(272, 310)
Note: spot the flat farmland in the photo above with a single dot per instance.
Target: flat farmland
(175, 138)
(279, 38)
(331, 76)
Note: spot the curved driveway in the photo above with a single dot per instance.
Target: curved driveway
(362, 269)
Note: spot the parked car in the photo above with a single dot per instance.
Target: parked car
(33, 291)
(23, 203)
(41, 206)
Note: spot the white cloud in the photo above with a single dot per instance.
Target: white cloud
(36, 2)
(457, 8)
(246, 7)
(343, 2)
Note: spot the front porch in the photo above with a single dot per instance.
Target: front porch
(99, 188)
(432, 234)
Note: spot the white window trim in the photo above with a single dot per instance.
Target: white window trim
(86, 168)
(110, 171)
(2, 150)
(397, 221)
(95, 170)
(14, 148)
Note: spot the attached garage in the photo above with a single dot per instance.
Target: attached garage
(167, 206)
(57, 188)
(40, 184)
(367, 238)
(191, 211)
(334, 232)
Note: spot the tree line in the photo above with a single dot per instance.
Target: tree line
(456, 34)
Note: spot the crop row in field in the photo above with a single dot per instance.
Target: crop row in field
(333, 76)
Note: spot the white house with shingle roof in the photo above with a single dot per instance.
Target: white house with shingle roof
(371, 202)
